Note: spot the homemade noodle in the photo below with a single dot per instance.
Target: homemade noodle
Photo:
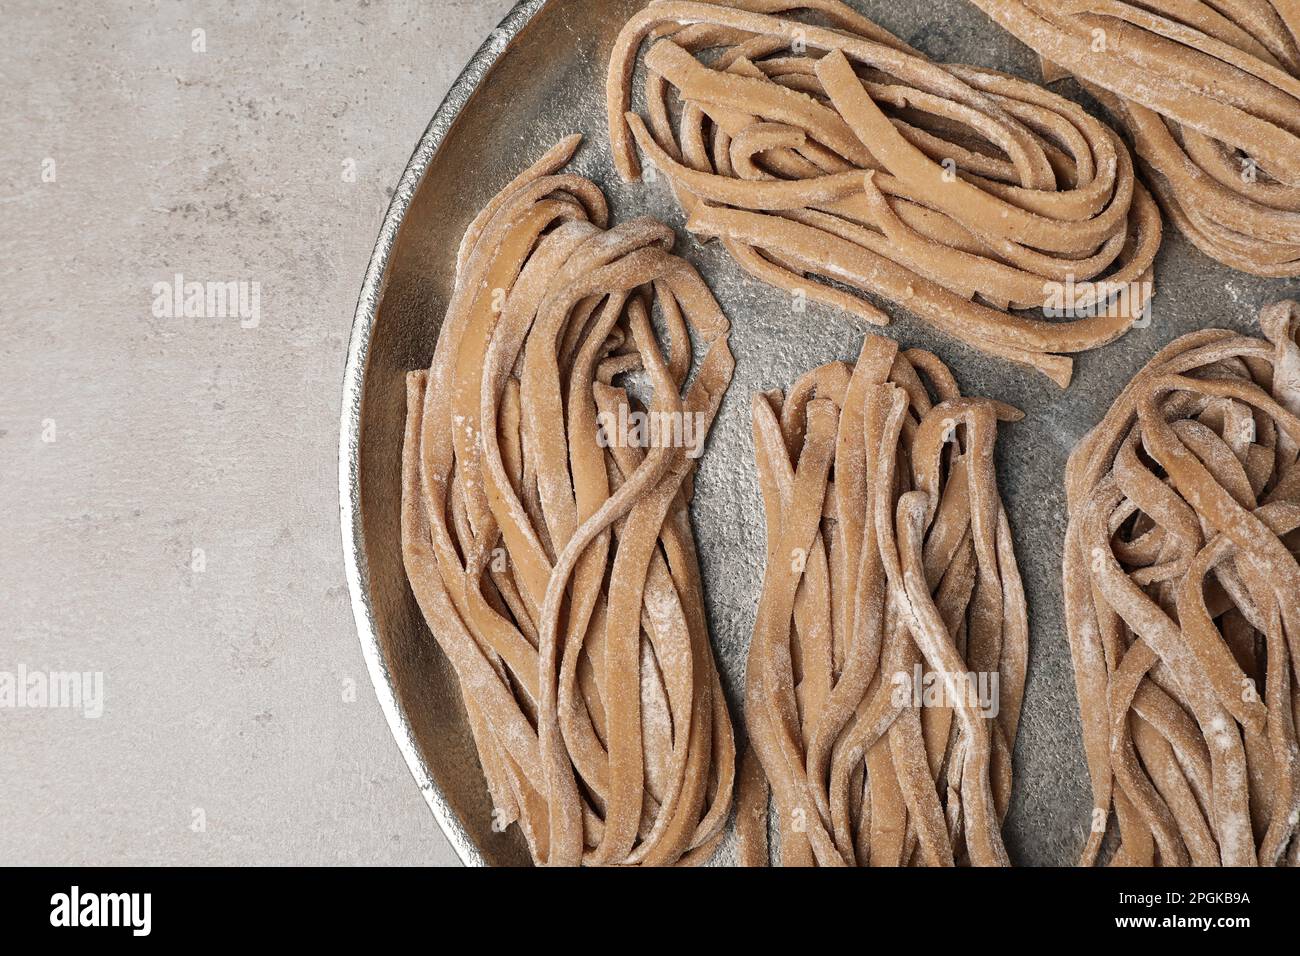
(1209, 93)
(1183, 603)
(889, 558)
(841, 153)
(552, 557)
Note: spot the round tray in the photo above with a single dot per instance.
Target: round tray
(541, 76)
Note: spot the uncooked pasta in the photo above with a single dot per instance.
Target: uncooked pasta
(1183, 603)
(834, 161)
(887, 667)
(550, 547)
(1210, 94)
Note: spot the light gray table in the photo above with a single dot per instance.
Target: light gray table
(238, 723)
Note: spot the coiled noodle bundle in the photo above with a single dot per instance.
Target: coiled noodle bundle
(554, 560)
(840, 153)
(889, 557)
(1183, 602)
(1209, 92)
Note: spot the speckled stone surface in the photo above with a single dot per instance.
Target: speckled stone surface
(239, 725)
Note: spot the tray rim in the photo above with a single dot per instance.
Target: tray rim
(354, 377)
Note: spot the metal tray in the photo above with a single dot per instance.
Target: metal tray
(541, 76)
